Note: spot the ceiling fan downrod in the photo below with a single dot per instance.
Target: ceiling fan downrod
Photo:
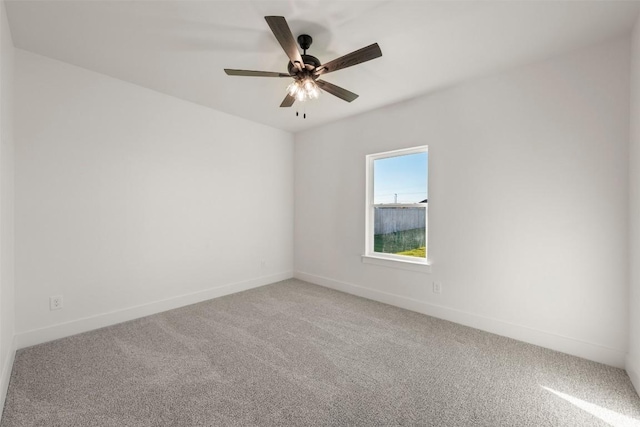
(305, 40)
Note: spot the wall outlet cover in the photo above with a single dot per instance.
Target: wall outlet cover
(55, 302)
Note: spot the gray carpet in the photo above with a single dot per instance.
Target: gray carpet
(293, 353)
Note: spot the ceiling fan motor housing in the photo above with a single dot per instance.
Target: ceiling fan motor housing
(310, 62)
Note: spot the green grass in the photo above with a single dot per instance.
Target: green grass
(400, 242)
(418, 252)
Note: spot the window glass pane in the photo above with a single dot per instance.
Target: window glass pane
(400, 179)
(400, 231)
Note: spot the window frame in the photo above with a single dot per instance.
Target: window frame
(380, 258)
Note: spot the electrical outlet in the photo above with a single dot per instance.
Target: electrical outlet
(55, 303)
(437, 287)
(263, 264)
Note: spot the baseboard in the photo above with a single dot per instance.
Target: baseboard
(6, 374)
(633, 371)
(572, 346)
(61, 330)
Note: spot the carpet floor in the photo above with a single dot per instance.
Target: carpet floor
(293, 353)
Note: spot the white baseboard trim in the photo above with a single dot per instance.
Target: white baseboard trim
(6, 374)
(633, 372)
(572, 346)
(61, 330)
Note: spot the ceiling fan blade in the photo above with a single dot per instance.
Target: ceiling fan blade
(336, 90)
(254, 73)
(288, 101)
(357, 57)
(283, 34)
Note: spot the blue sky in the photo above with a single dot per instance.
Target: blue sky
(405, 176)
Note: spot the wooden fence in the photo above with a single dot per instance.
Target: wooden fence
(394, 219)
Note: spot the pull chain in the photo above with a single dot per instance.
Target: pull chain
(304, 113)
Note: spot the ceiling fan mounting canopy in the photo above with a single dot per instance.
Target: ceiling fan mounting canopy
(305, 40)
(306, 70)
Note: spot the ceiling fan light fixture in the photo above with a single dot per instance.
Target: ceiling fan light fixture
(314, 94)
(308, 85)
(301, 96)
(293, 88)
(304, 89)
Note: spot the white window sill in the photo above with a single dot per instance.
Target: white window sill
(421, 267)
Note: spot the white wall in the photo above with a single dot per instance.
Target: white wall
(130, 202)
(633, 358)
(527, 202)
(7, 350)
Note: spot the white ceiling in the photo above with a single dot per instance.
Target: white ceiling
(181, 47)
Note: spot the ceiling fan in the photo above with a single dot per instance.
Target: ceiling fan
(306, 70)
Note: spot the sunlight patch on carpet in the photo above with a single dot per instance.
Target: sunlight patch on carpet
(610, 417)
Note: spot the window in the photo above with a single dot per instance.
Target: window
(397, 201)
